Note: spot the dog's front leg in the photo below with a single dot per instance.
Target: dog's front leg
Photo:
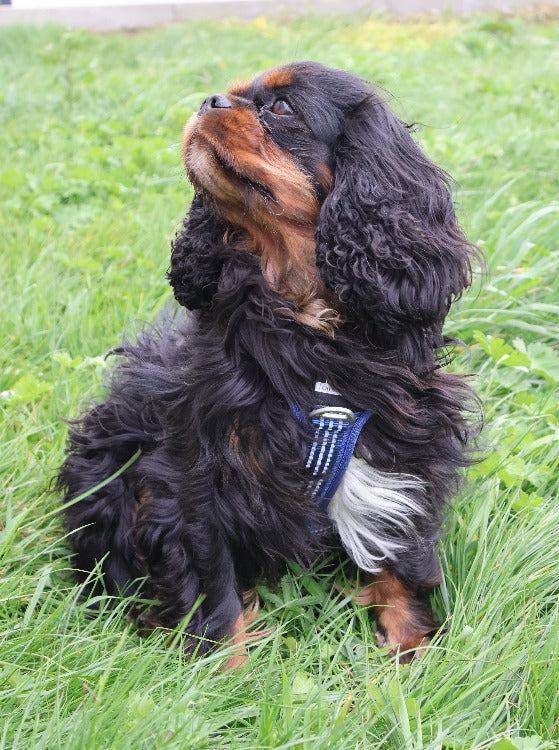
(403, 614)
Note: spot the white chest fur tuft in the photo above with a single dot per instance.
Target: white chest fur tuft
(374, 513)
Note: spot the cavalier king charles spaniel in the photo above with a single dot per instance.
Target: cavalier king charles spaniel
(318, 261)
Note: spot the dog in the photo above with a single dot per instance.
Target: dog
(318, 261)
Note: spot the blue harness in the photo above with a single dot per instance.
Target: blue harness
(336, 431)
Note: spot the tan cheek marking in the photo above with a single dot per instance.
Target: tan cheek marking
(229, 122)
(278, 77)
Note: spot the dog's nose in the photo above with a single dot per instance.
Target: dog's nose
(216, 101)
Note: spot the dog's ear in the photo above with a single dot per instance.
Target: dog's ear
(388, 242)
(198, 254)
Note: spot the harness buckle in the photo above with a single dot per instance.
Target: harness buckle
(334, 412)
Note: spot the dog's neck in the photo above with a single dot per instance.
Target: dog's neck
(287, 258)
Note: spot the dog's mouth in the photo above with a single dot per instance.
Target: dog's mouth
(245, 182)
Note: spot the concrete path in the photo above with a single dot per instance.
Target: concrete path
(104, 15)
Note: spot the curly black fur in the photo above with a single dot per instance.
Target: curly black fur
(402, 258)
(219, 498)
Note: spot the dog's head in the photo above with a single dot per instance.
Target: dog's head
(307, 168)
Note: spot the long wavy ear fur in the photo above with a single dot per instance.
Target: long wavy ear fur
(388, 242)
(197, 257)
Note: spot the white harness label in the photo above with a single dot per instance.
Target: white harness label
(323, 387)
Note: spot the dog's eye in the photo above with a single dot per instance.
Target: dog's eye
(281, 107)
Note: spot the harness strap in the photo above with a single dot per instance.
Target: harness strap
(336, 429)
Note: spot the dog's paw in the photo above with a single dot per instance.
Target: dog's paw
(239, 637)
(404, 621)
(408, 646)
(406, 650)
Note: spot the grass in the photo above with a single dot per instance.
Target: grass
(91, 191)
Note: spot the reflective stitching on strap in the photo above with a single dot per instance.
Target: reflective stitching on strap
(331, 446)
(337, 439)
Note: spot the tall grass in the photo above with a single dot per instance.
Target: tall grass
(91, 191)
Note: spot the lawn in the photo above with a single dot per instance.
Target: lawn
(91, 192)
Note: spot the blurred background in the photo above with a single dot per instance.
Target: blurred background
(134, 14)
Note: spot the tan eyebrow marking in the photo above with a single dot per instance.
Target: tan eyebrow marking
(277, 78)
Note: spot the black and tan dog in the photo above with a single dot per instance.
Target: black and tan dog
(321, 247)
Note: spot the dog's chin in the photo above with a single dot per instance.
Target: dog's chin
(224, 183)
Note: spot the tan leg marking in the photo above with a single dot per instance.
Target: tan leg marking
(405, 627)
(240, 637)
